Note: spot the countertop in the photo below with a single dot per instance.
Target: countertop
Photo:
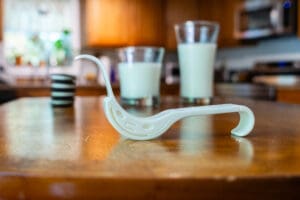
(74, 153)
(39, 84)
(42, 84)
(280, 93)
(38, 88)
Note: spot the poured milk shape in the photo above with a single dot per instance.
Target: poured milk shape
(196, 69)
(139, 79)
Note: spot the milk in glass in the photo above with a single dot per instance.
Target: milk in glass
(196, 69)
(139, 79)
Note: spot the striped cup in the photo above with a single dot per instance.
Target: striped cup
(62, 90)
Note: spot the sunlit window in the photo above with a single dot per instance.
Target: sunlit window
(41, 32)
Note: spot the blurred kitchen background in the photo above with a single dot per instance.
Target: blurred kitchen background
(259, 43)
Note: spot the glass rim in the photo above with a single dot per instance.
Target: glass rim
(197, 22)
(132, 48)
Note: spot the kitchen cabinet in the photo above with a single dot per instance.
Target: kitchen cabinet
(111, 23)
(178, 11)
(1, 20)
(288, 94)
(222, 12)
(122, 22)
(148, 23)
(106, 22)
(298, 18)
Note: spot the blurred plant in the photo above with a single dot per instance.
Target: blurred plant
(35, 51)
(62, 51)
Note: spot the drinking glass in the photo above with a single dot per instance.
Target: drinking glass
(139, 73)
(196, 45)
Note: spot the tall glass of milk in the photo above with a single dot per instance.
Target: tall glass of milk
(139, 73)
(196, 45)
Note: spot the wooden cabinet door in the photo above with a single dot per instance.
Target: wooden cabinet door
(178, 11)
(212, 10)
(106, 22)
(298, 18)
(147, 24)
(223, 12)
(123, 22)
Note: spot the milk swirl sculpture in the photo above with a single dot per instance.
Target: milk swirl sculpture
(145, 128)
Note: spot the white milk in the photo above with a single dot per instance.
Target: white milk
(139, 79)
(196, 69)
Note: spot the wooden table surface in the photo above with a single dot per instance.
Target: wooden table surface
(74, 153)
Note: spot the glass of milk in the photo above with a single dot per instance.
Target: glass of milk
(196, 45)
(139, 73)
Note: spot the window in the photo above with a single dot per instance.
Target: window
(41, 32)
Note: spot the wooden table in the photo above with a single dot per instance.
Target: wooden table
(73, 153)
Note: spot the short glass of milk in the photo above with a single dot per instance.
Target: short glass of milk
(196, 46)
(139, 74)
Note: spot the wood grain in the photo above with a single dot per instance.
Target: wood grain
(298, 19)
(74, 153)
(178, 11)
(123, 22)
(111, 23)
(212, 10)
(288, 94)
(224, 13)
(147, 23)
(106, 22)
